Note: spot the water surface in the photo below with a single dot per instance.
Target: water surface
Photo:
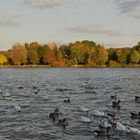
(87, 87)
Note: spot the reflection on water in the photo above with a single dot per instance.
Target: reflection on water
(89, 88)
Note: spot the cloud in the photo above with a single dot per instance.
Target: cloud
(94, 29)
(44, 3)
(118, 45)
(130, 7)
(9, 20)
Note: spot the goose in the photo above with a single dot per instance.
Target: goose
(85, 119)
(18, 108)
(84, 109)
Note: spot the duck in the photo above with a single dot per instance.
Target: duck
(67, 101)
(6, 96)
(54, 115)
(114, 96)
(105, 132)
(104, 124)
(85, 119)
(62, 122)
(135, 115)
(17, 108)
(116, 103)
(84, 109)
(36, 92)
(137, 98)
(133, 130)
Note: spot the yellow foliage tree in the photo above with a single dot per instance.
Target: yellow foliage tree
(3, 59)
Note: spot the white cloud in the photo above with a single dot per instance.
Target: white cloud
(94, 29)
(44, 3)
(9, 20)
(130, 7)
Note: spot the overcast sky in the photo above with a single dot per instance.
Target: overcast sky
(114, 23)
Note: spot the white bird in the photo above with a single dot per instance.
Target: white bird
(133, 130)
(99, 113)
(17, 107)
(85, 119)
(120, 127)
(6, 96)
(84, 109)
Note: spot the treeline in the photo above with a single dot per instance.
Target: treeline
(84, 53)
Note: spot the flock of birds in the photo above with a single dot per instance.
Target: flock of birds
(108, 122)
(8, 96)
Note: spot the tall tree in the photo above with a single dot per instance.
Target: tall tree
(19, 54)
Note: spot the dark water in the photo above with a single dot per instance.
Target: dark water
(58, 84)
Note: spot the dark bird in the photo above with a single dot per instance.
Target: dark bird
(113, 96)
(137, 98)
(135, 115)
(35, 92)
(67, 101)
(62, 122)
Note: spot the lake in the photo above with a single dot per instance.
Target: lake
(86, 87)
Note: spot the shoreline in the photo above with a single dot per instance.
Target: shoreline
(73, 66)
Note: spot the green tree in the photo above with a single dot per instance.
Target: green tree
(33, 56)
(135, 57)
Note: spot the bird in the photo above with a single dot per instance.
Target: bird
(120, 127)
(84, 109)
(85, 119)
(62, 122)
(113, 96)
(17, 108)
(6, 96)
(36, 92)
(67, 101)
(99, 113)
(135, 115)
(137, 98)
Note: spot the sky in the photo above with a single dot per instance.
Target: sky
(113, 23)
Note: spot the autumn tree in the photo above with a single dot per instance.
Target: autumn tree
(41, 52)
(3, 59)
(123, 55)
(33, 56)
(19, 54)
(100, 55)
(49, 57)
